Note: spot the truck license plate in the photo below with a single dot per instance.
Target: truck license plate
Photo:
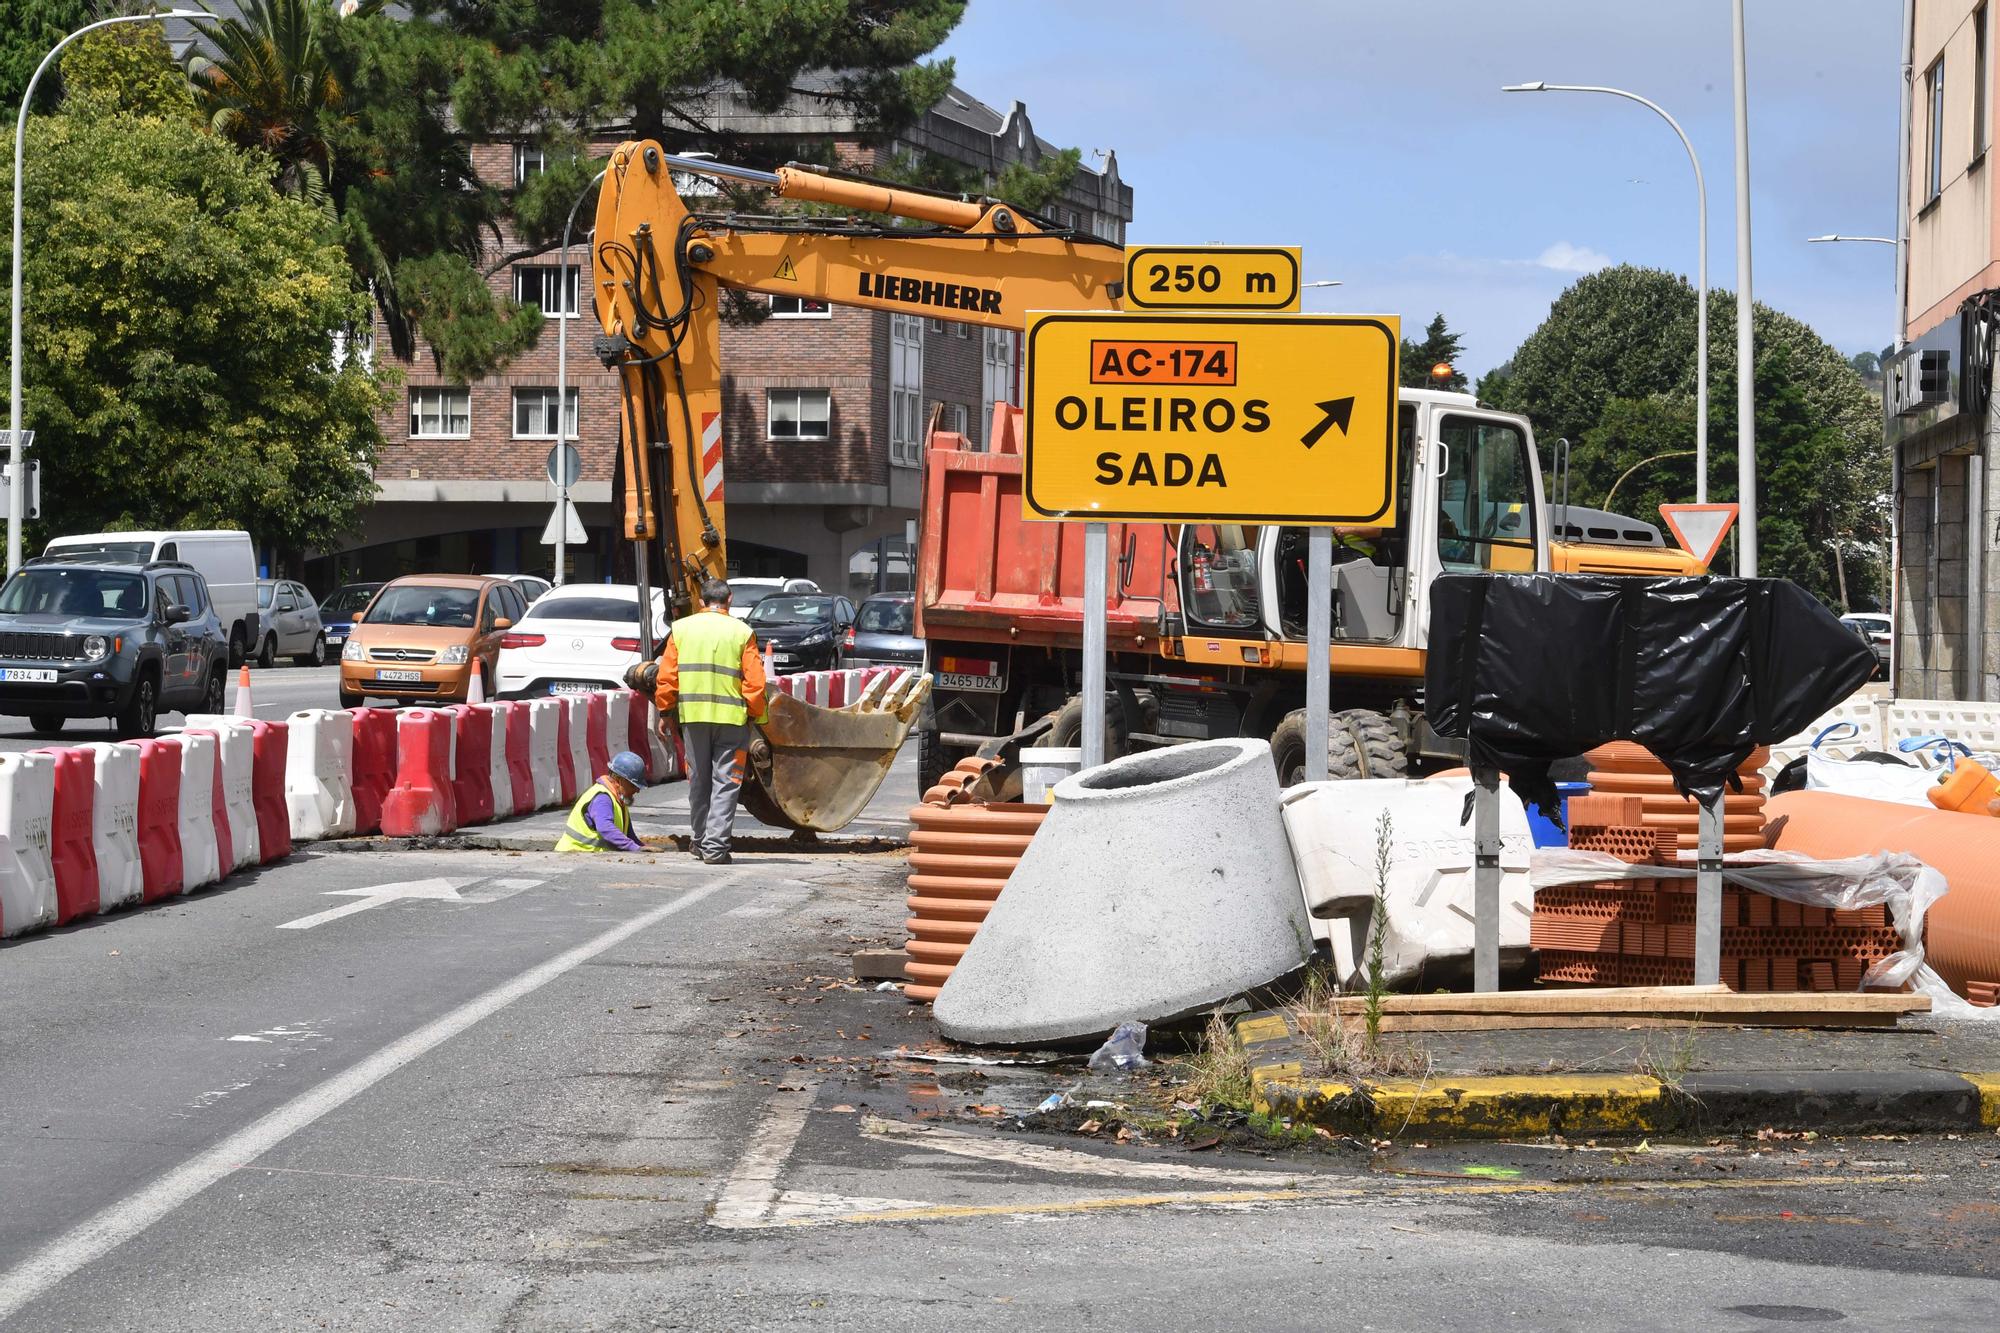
(29, 675)
(959, 680)
(402, 677)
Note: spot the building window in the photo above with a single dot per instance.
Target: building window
(799, 414)
(528, 161)
(1934, 124)
(954, 418)
(937, 326)
(549, 288)
(997, 379)
(906, 389)
(535, 414)
(962, 329)
(440, 412)
(1979, 92)
(800, 307)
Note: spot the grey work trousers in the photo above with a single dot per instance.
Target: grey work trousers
(716, 758)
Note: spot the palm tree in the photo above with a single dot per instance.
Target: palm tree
(265, 83)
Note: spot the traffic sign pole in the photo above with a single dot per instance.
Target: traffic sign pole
(1319, 648)
(1096, 550)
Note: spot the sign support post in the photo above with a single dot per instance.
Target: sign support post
(1485, 879)
(1319, 648)
(1708, 896)
(1096, 549)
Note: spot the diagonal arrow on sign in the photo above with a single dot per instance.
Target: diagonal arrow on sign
(441, 889)
(1339, 411)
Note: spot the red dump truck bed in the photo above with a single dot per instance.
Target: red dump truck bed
(986, 574)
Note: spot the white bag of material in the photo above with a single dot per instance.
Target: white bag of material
(1877, 782)
(1429, 908)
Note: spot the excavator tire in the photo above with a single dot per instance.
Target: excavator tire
(1359, 744)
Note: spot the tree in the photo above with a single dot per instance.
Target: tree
(1440, 347)
(125, 69)
(383, 107)
(180, 328)
(1613, 370)
(28, 29)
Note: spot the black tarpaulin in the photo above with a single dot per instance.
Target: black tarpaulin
(1533, 668)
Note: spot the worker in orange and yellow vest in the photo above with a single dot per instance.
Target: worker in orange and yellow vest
(711, 681)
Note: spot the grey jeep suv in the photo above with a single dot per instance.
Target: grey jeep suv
(90, 637)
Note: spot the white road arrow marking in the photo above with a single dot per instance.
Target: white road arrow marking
(444, 890)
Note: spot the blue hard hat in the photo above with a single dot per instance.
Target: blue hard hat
(630, 767)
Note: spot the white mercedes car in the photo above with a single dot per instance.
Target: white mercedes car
(575, 639)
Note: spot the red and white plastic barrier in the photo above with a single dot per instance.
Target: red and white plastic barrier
(520, 754)
(596, 735)
(319, 774)
(70, 849)
(270, 754)
(618, 723)
(545, 752)
(421, 804)
(200, 840)
(235, 763)
(114, 826)
(471, 762)
(27, 813)
(374, 771)
(831, 689)
(576, 770)
(497, 777)
(160, 817)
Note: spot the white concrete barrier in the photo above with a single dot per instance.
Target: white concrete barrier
(578, 758)
(114, 833)
(199, 862)
(617, 721)
(545, 754)
(27, 816)
(503, 785)
(319, 774)
(236, 751)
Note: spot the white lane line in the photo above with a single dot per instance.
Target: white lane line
(1065, 1161)
(750, 1193)
(120, 1222)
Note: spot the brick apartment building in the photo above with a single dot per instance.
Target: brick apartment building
(824, 407)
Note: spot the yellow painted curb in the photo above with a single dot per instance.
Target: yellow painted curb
(1989, 1097)
(1259, 1028)
(1488, 1106)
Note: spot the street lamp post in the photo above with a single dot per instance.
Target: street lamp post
(562, 397)
(16, 474)
(1746, 337)
(1701, 264)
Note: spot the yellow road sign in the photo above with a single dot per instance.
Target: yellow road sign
(1273, 418)
(1263, 278)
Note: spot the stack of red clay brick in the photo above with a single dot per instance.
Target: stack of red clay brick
(1640, 932)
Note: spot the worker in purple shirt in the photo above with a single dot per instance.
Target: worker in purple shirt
(601, 819)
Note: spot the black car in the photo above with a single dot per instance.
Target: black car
(100, 638)
(884, 633)
(803, 633)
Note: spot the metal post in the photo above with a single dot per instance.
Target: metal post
(1708, 897)
(1485, 879)
(1096, 551)
(562, 404)
(1746, 349)
(1319, 648)
(16, 491)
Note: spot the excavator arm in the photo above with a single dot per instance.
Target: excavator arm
(659, 270)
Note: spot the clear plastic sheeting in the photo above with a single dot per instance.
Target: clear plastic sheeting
(1535, 668)
(1906, 886)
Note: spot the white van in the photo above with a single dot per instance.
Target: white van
(227, 560)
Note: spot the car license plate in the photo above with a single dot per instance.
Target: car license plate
(958, 680)
(571, 687)
(29, 675)
(335, 640)
(404, 677)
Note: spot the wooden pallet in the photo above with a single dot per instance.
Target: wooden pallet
(1633, 1007)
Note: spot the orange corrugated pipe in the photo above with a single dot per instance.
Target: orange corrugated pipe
(960, 858)
(1622, 768)
(1962, 931)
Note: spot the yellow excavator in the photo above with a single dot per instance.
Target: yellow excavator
(660, 271)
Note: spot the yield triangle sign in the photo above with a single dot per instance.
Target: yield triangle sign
(1699, 528)
(571, 527)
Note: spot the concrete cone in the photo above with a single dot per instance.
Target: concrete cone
(242, 708)
(475, 691)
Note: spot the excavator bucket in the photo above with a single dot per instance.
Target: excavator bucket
(816, 768)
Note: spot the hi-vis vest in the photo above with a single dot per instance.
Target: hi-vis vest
(710, 648)
(579, 836)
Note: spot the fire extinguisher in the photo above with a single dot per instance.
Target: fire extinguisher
(1201, 579)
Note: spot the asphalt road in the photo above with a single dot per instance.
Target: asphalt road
(276, 693)
(616, 1093)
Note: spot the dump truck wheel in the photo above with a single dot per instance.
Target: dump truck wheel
(932, 761)
(1359, 744)
(1067, 727)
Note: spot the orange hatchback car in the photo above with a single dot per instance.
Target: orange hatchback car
(417, 640)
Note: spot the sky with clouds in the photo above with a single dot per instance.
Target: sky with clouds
(1376, 136)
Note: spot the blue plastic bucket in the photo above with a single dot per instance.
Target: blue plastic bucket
(1542, 828)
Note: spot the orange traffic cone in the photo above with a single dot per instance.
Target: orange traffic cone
(242, 708)
(475, 692)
